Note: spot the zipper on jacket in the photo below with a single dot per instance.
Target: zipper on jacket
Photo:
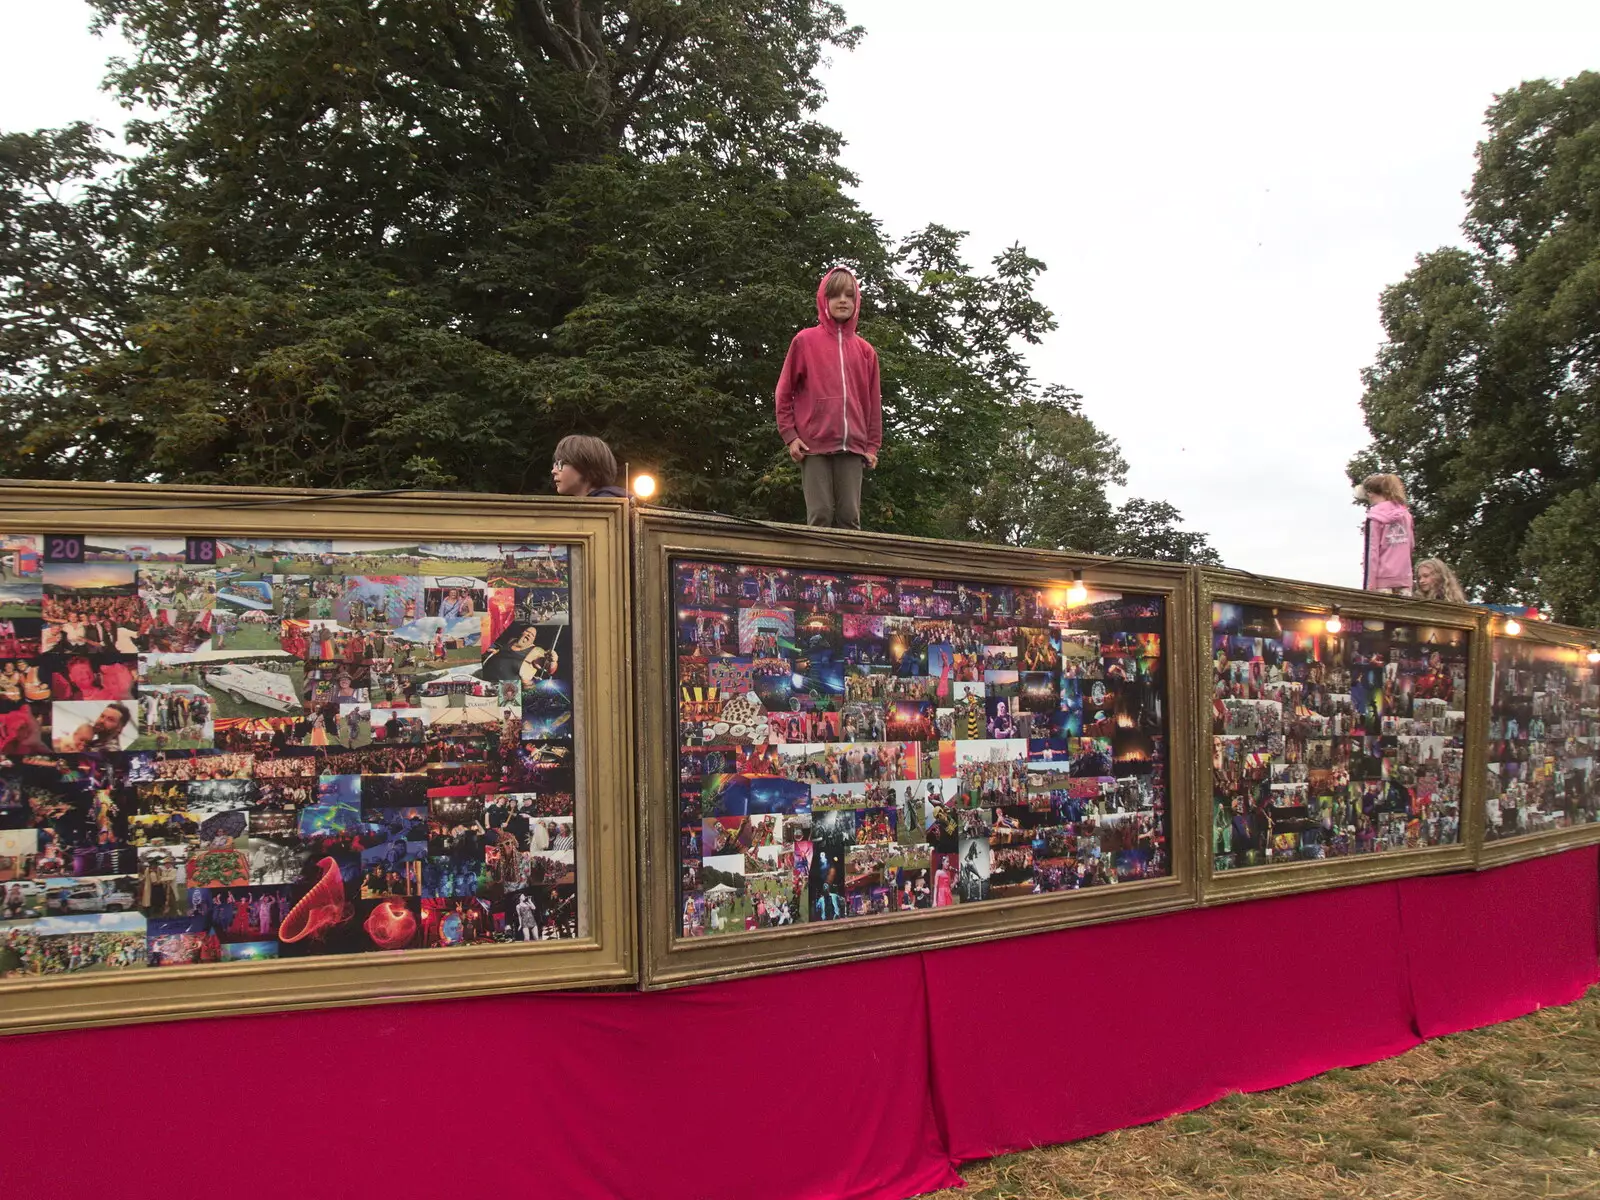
(844, 388)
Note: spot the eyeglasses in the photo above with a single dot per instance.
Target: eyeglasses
(557, 464)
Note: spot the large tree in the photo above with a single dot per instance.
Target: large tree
(1485, 397)
(66, 280)
(388, 243)
(1046, 485)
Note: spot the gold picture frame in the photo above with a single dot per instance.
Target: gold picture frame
(1519, 847)
(604, 951)
(1250, 883)
(670, 959)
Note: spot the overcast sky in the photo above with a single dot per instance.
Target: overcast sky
(1221, 191)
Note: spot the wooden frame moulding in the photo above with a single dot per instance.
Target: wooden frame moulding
(1249, 883)
(603, 953)
(670, 959)
(1500, 852)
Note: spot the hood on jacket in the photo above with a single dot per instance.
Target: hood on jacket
(1387, 511)
(823, 318)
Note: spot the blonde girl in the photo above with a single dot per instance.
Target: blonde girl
(1389, 535)
(1436, 581)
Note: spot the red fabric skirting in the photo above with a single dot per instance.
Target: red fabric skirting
(1165, 1015)
(1121, 1024)
(859, 1082)
(1489, 947)
(810, 1086)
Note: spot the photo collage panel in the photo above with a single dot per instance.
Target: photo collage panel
(855, 745)
(1327, 745)
(1544, 717)
(217, 750)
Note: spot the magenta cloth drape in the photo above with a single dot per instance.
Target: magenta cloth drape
(1120, 1024)
(868, 1081)
(1489, 947)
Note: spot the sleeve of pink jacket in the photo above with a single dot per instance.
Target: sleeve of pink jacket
(788, 381)
(1374, 538)
(874, 412)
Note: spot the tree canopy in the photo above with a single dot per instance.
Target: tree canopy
(383, 243)
(1485, 397)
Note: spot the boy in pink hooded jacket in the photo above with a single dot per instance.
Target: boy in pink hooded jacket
(830, 404)
(1389, 535)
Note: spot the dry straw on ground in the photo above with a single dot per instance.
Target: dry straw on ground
(1509, 1111)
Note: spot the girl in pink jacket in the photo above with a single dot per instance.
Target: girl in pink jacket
(829, 404)
(1389, 535)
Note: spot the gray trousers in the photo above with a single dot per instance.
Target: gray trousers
(833, 489)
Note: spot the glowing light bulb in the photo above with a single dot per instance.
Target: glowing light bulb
(1334, 623)
(644, 486)
(1594, 653)
(1077, 593)
(1513, 627)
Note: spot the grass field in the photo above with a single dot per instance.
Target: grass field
(265, 564)
(356, 564)
(151, 741)
(1509, 1111)
(248, 637)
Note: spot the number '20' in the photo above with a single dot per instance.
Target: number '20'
(64, 548)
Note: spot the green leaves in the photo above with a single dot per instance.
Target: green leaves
(67, 286)
(1562, 549)
(1044, 482)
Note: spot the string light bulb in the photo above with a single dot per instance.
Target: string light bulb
(1594, 653)
(1335, 622)
(1513, 627)
(644, 486)
(1077, 593)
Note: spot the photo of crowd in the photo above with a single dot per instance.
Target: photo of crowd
(297, 748)
(1544, 719)
(855, 746)
(1333, 744)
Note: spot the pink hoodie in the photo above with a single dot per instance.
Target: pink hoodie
(1389, 541)
(828, 393)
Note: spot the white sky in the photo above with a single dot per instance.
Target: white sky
(1221, 191)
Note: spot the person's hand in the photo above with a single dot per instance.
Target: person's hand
(798, 450)
(872, 460)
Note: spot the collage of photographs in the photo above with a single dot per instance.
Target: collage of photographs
(217, 750)
(868, 745)
(1327, 745)
(1544, 719)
